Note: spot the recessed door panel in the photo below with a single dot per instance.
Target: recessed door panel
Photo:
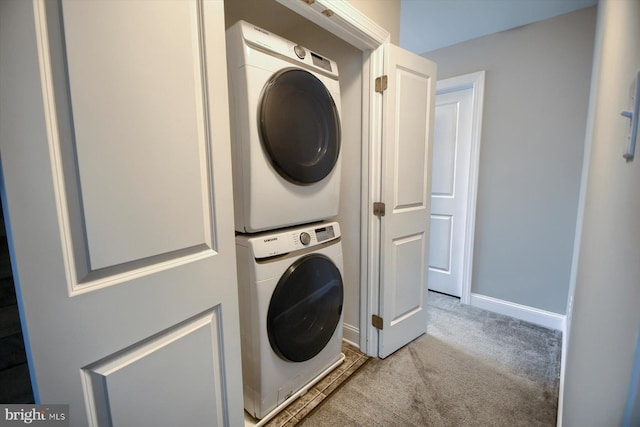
(445, 142)
(138, 125)
(440, 243)
(408, 262)
(143, 385)
(411, 134)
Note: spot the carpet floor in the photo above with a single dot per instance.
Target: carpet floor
(472, 368)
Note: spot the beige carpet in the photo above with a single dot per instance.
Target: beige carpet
(503, 374)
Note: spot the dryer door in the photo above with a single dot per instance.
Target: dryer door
(299, 126)
(305, 308)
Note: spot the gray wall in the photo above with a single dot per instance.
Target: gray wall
(535, 107)
(605, 315)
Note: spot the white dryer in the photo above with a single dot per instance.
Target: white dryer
(291, 295)
(285, 131)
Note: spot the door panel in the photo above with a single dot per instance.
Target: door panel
(122, 132)
(406, 188)
(408, 292)
(444, 149)
(138, 123)
(410, 148)
(440, 259)
(452, 156)
(116, 169)
(126, 387)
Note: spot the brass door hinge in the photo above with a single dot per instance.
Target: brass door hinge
(381, 84)
(377, 322)
(378, 208)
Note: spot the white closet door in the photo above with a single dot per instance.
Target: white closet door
(116, 176)
(408, 108)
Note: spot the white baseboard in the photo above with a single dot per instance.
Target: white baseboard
(351, 334)
(522, 312)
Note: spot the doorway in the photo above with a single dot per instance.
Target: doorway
(274, 17)
(456, 157)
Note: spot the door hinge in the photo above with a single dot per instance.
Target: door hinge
(378, 208)
(377, 322)
(381, 84)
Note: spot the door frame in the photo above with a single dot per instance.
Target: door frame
(475, 82)
(348, 23)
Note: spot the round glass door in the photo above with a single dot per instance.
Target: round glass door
(299, 126)
(305, 308)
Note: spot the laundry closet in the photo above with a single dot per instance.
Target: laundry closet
(278, 19)
(295, 112)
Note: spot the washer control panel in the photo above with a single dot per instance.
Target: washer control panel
(271, 243)
(305, 238)
(325, 233)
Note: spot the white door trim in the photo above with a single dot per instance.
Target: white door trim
(341, 19)
(345, 21)
(474, 81)
(370, 192)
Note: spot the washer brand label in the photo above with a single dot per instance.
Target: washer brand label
(270, 239)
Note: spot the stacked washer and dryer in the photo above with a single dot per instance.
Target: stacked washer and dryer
(285, 112)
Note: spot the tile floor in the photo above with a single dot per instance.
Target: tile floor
(302, 406)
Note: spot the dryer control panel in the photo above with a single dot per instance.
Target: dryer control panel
(258, 39)
(273, 243)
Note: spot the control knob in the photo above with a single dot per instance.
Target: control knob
(300, 51)
(305, 238)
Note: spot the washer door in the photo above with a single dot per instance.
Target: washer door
(299, 126)
(305, 308)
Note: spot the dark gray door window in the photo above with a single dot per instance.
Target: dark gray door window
(305, 308)
(299, 126)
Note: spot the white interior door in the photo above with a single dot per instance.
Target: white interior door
(117, 182)
(450, 187)
(408, 105)
(456, 160)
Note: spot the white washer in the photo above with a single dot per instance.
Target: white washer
(285, 132)
(291, 295)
